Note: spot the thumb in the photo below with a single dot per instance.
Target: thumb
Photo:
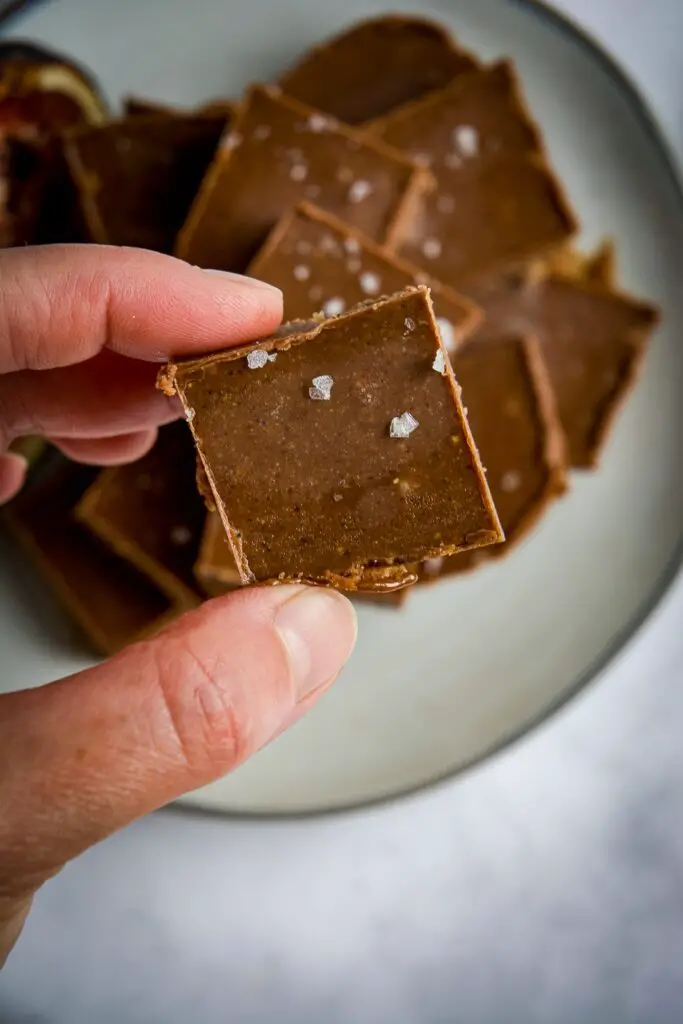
(86, 755)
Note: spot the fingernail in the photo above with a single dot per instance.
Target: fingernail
(318, 629)
(241, 279)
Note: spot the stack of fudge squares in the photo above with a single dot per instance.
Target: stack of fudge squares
(398, 191)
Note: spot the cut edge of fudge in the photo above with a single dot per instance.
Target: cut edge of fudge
(420, 180)
(463, 60)
(88, 515)
(386, 578)
(471, 314)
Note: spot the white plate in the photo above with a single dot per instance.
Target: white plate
(469, 664)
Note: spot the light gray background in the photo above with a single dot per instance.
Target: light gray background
(546, 887)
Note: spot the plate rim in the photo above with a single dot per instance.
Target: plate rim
(14, 13)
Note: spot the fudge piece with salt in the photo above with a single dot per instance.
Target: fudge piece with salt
(338, 451)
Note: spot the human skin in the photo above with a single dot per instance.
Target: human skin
(82, 331)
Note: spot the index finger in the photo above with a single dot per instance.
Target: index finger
(61, 304)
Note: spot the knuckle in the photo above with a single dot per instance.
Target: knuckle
(208, 729)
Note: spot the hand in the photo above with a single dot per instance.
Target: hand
(80, 331)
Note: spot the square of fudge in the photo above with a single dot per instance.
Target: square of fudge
(113, 603)
(149, 512)
(137, 177)
(496, 199)
(512, 411)
(338, 451)
(476, 117)
(376, 65)
(321, 263)
(279, 152)
(593, 339)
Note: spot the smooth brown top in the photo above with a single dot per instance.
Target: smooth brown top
(112, 602)
(511, 410)
(476, 117)
(138, 177)
(150, 512)
(279, 153)
(503, 213)
(318, 489)
(592, 338)
(495, 201)
(320, 263)
(376, 65)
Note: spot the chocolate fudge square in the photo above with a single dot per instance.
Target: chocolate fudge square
(280, 152)
(338, 452)
(593, 341)
(512, 411)
(496, 200)
(320, 263)
(138, 177)
(149, 512)
(111, 601)
(376, 65)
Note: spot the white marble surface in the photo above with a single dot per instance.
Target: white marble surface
(545, 887)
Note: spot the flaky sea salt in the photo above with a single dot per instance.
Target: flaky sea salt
(352, 246)
(447, 332)
(334, 306)
(466, 140)
(359, 191)
(431, 247)
(439, 363)
(402, 426)
(370, 283)
(510, 481)
(302, 272)
(180, 535)
(322, 388)
(409, 324)
(190, 414)
(337, 497)
(298, 172)
(257, 359)
(272, 356)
